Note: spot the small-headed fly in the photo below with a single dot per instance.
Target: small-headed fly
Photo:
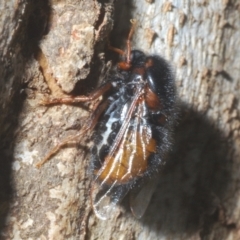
(131, 127)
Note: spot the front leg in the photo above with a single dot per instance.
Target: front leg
(88, 98)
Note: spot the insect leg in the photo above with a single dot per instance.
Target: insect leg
(68, 100)
(129, 39)
(117, 50)
(55, 150)
(125, 65)
(88, 126)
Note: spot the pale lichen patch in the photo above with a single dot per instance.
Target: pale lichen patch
(62, 169)
(27, 224)
(54, 230)
(56, 193)
(26, 156)
(16, 165)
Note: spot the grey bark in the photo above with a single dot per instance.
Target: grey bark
(52, 48)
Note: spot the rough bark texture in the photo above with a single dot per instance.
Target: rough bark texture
(54, 48)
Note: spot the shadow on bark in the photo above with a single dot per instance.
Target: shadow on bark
(195, 179)
(33, 25)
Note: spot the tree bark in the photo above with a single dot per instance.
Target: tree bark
(55, 48)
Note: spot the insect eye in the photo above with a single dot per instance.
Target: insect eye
(137, 58)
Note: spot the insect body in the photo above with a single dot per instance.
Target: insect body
(133, 135)
(132, 129)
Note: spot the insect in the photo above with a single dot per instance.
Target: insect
(132, 128)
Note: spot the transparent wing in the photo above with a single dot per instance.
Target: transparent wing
(106, 198)
(125, 162)
(139, 200)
